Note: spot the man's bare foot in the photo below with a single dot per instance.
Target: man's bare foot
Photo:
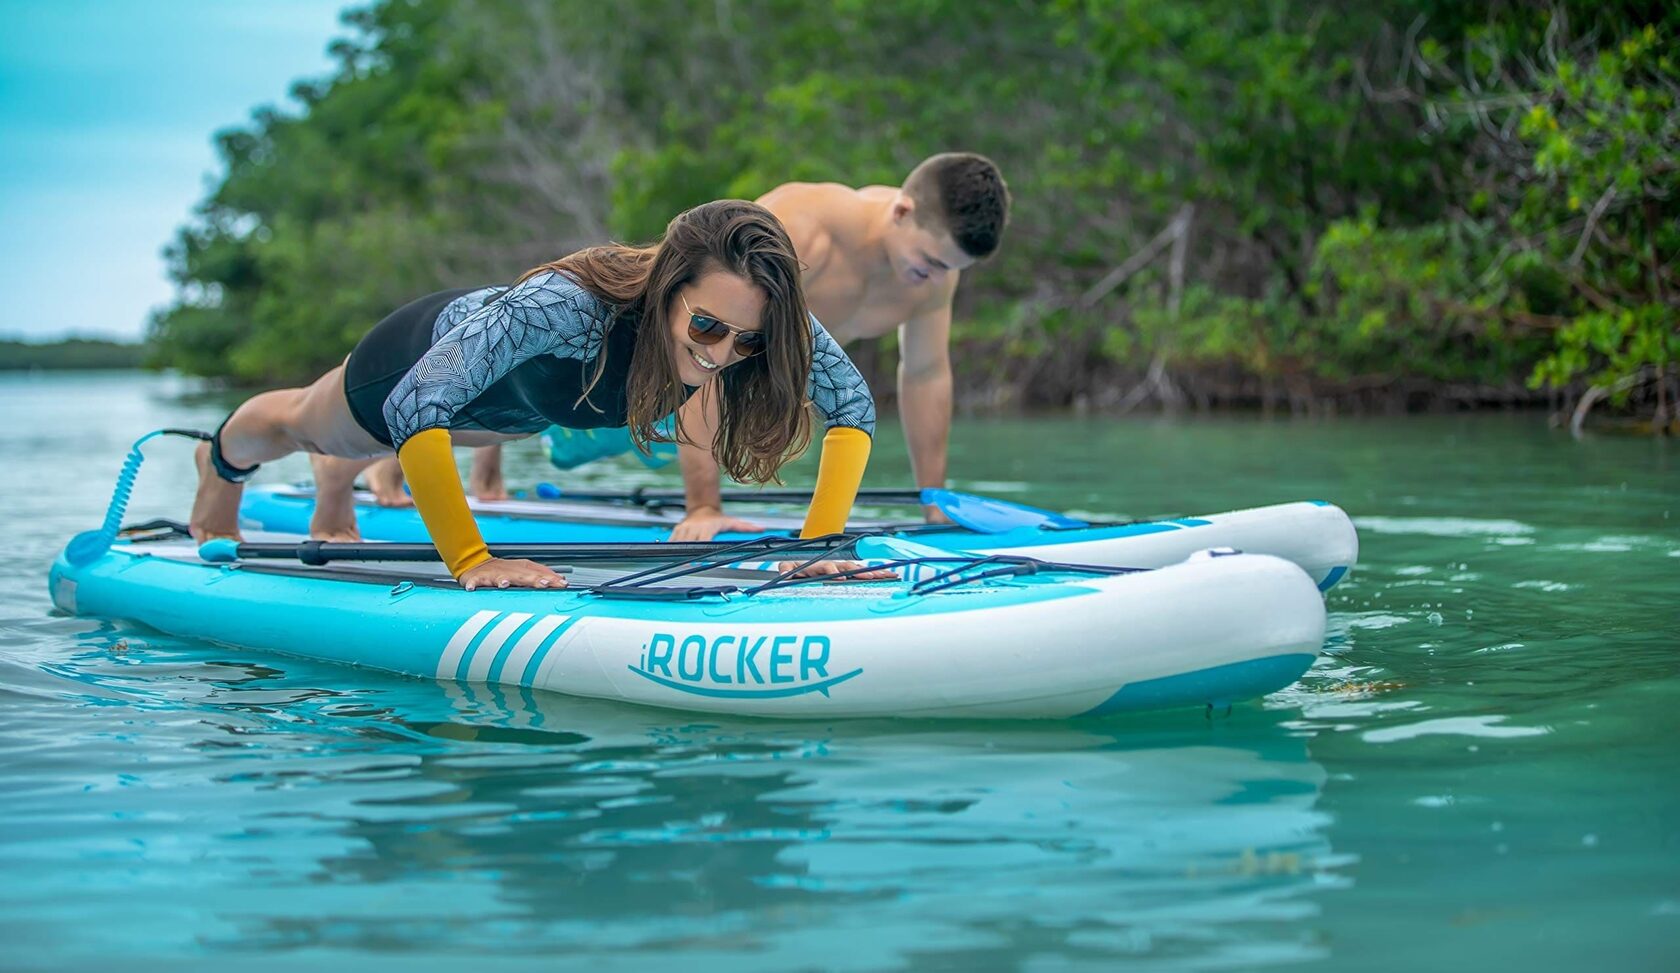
(215, 511)
(385, 479)
(487, 488)
(484, 478)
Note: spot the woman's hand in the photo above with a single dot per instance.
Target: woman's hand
(510, 573)
(934, 515)
(705, 523)
(822, 568)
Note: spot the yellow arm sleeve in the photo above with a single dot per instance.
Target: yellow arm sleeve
(428, 462)
(845, 454)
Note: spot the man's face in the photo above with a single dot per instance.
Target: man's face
(918, 253)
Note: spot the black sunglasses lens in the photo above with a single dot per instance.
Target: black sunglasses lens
(749, 344)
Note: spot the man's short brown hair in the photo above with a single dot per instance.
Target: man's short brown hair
(965, 194)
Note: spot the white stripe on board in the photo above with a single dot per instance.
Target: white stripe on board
(551, 658)
(527, 646)
(486, 654)
(458, 644)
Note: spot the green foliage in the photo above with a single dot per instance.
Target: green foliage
(1605, 134)
(328, 219)
(1568, 201)
(1427, 192)
(71, 353)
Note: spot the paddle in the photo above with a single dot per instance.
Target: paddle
(989, 515)
(642, 496)
(225, 550)
(983, 515)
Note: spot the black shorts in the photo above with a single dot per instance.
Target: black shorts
(384, 356)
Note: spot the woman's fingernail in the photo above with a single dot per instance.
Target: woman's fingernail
(543, 583)
(502, 583)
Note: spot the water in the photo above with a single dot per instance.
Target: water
(1482, 772)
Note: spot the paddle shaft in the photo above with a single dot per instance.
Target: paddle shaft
(321, 552)
(675, 498)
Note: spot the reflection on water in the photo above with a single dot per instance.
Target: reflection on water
(1477, 774)
(589, 827)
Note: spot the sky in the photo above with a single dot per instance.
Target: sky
(107, 109)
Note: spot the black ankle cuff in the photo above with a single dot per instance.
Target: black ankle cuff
(219, 463)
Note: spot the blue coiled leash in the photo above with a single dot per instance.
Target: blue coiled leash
(89, 546)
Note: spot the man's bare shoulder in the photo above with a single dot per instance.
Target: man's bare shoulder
(814, 213)
(829, 204)
(820, 194)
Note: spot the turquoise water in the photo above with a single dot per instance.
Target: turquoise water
(1481, 772)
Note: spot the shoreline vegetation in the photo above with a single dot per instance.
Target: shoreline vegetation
(1303, 209)
(70, 354)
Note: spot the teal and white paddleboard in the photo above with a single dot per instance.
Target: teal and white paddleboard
(1028, 643)
(1316, 535)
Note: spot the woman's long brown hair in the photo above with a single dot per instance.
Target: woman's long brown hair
(763, 420)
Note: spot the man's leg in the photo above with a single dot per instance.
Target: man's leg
(485, 477)
(385, 479)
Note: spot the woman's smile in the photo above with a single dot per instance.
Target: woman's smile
(702, 361)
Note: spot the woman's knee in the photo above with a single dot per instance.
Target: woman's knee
(258, 431)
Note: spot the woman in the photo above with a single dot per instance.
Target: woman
(608, 336)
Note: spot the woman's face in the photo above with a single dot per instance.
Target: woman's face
(721, 295)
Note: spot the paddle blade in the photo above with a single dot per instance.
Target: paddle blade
(989, 515)
(222, 550)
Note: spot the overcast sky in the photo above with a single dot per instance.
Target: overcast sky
(107, 108)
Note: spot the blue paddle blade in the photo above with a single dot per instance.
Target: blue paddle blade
(989, 515)
(222, 550)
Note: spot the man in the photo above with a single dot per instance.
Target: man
(874, 259)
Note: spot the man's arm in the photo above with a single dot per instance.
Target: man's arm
(924, 393)
(704, 518)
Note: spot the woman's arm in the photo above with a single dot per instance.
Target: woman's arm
(839, 392)
(548, 314)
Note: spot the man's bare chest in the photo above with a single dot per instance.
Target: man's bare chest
(852, 308)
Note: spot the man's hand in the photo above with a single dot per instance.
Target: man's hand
(705, 523)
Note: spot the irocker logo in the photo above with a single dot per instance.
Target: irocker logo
(740, 667)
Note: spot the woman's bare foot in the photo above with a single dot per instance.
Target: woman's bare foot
(340, 536)
(385, 479)
(215, 511)
(335, 517)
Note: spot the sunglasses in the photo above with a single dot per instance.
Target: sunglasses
(703, 329)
